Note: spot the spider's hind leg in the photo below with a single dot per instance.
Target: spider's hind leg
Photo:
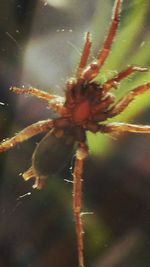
(81, 154)
(25, 134)
(120, 127)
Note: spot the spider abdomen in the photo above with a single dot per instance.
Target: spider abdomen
(52, 153)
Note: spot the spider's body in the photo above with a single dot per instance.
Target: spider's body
(52, 153)
(85, 101)
(86, 106)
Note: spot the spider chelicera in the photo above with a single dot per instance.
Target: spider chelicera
(86, 106)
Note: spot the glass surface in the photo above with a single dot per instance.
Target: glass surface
(40, 46)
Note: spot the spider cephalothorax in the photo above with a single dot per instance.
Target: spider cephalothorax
(86, 106)
(86, 102)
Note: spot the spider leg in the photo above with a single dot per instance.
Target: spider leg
(84, 56)
(103, 53)
(120, 76)
(125, 101)
(26, 133)
(77, 185)
(93, 69)
(54, 102)
(120, 127)
(34, 92)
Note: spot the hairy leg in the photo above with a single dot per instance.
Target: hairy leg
(93, 69)
(125, 101)
(25, 134)
(77, 191)
(103, 53)
(121, 75)
(34, 92)
(120, 127)
(54, 102)
(84, 56)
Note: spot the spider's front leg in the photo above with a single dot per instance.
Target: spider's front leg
(93, 69)
(120, 76)
(81, 154)
(84, 55)
(25, 134)
(103, 53)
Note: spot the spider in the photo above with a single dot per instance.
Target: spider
(86, 106)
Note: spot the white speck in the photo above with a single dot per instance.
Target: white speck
(27, 194)
(68, 181)
(1, 103)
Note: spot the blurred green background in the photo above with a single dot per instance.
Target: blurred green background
(40, 46)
